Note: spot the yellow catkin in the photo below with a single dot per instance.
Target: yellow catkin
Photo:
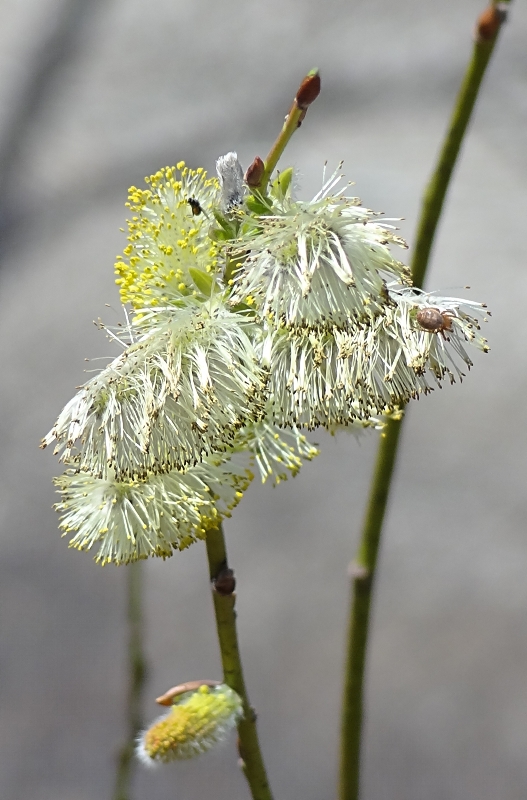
(165, 239)
(195, 723)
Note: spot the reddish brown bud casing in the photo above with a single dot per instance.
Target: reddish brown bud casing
(225, 583)
(190, 686)
(254, 173)
(309, 90)
(489, 23)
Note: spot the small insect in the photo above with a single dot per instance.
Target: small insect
(435, 321)
(195, 206)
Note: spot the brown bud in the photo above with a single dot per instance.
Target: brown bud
(190, 686)
(254, 173)
(224, 583)
(309, 90)
(489, 23)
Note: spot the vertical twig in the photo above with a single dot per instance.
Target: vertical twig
(253, 765)
(362, 572)
(137, 676)
(434, 196)
(363, 568)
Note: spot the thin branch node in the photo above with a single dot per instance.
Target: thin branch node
(225, 582)
(489, 23)
(358, 572)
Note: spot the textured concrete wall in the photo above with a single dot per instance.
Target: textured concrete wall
(148, 84)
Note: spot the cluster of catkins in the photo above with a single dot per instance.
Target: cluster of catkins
(255, 317)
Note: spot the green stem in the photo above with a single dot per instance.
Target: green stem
(250, 752)
(434, 196)
(137, 677)
(362, 574)
(292, 121)
(364, 566)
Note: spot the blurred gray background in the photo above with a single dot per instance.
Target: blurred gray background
(124, 87)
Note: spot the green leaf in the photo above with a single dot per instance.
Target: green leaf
(232, 266)
(281, 184)
(256, 206)
(205, 282)
(227, 225)
(219, 235)
(243, 308)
